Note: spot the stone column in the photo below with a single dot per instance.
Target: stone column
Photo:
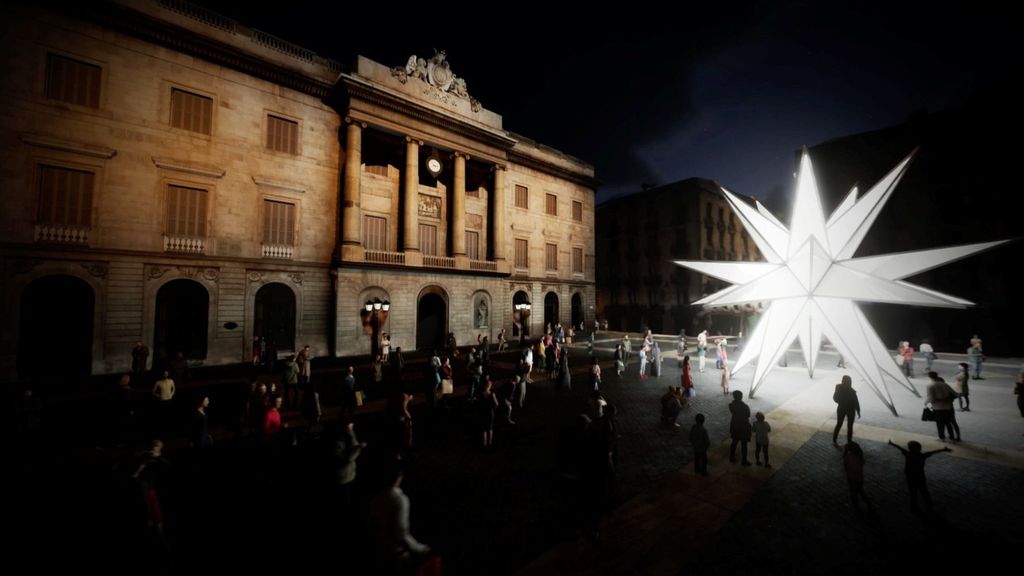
(498, 212)
(411, 196)
(458, 229)
(353, 174)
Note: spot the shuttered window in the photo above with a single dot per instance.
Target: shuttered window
(70, 80)
(283, 135)
(375, 233)
(191, 111)
(577, 260)
(65, 197)
(186, 211)
(278, 223)
(428, 239)
(551, 204)
(522, 197)
(473, 245)
(551, 257)
(522, 253)
(577, 211)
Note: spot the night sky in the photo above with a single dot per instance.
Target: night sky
(727, 93)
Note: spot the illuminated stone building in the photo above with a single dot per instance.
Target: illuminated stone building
(173, 177)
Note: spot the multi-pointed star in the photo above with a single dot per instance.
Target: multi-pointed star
(811, 280)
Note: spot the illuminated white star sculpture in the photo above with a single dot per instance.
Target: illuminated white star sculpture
(811, 281)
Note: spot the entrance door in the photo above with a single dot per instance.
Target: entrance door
(274, 316)
(577, 310)
(182, 308)
(431, 321)
(55, 329)
(551, 310)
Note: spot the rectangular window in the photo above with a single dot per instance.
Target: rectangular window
(282, 135)
(522, 253)
(428, 240)
(191, 111)
(278, 223)
(577, 211)
(551, 257)
(186, 211)
(65, 197)
(551, 205)
(375, 233)
(522, 197)
(577, 260)
(72, 81)
(473, 245)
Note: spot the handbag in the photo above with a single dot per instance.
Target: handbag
(447, 386)
(927, 415)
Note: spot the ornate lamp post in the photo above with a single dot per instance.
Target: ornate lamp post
(524, 314)
(374, 314)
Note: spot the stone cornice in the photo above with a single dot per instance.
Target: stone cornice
(189, 167)
(82, 149)
(279, 185)
(361, 90)
(553, 169)
(133, 23)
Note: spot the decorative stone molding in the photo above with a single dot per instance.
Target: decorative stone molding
(279, 185)
(156, 272)
(255, 276)
(196, 168)
(296, 277)
(80, 148)
(97, 270)
(440, 83)
(25, 266)
(430, 206)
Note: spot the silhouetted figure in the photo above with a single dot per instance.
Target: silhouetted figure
(761, 431)
(853, 464)
(701, 443)
(739, 427)
(398, 552)
(140, 356)
(847, 403)
(914, 470)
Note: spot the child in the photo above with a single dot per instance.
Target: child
(914, 469)
(853, 463)
(701, 442)
(725, 380)
(761, 430)
(595, 374)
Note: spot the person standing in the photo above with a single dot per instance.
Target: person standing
(975, 357)
(940, 398)
(140, 356)
(163, 391)
(761, 431)
(702, 348)
(929, 355)
(739, 427)
(305, 362)
(346, 450)
(398, 551)
(847, 404)
(701, 443)
(853, 464)
(200, 432)
(963, 388)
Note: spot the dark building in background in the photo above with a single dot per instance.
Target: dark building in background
(639, 237)
(958, 190)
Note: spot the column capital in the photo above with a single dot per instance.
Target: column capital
(458, 154)
(411, 140)
(351, 120)
(496, 167)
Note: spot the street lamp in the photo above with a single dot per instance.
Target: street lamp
(524, 313)
(374, 314)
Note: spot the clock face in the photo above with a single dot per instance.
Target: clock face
(434, 165)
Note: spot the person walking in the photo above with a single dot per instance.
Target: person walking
(847, 405)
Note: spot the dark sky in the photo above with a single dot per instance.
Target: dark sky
(727, 93)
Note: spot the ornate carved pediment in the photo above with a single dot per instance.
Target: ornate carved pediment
(97, 270)
(440, 82)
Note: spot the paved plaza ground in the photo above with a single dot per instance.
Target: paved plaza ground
(502, 511)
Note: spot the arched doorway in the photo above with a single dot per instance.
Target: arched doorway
(520, 316)
(551, 309)
(577, 310)
(55, 329)
(182, 308)
(431, 321)
(274, 316)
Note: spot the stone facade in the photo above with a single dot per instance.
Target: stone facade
(189, 182)
(639, 286)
